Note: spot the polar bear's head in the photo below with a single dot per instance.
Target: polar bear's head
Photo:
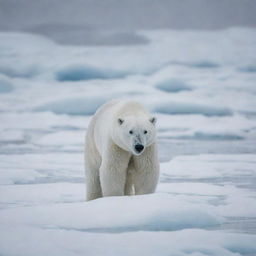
(134, 134)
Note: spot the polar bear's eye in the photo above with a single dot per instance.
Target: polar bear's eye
(131, 132)
(145, 132)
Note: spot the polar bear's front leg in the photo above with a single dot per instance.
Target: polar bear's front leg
(129, 187)
(146, 172)
(113, 171)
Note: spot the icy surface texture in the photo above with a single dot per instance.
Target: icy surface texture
(201, 87)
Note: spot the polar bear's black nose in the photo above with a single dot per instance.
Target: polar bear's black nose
(139, 147)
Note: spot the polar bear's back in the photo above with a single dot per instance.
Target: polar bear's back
(119, 108)
(105, 107)
(99, 122)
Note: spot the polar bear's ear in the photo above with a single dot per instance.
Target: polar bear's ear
(120, 120)
(152, 120)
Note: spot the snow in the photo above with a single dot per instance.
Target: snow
(201, 87)
(156, 213)
(189, 242)
(198, 197)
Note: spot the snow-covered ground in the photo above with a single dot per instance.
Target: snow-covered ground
(202, 87)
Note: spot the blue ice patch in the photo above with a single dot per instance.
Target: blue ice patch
(73, 106)
(173, 85)
(5, 86)
(178, 108)
(78, 73)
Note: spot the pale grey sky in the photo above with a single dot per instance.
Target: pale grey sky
(64, 20)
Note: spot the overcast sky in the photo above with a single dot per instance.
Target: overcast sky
(43, 16)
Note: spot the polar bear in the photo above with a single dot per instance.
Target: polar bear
(120, 151)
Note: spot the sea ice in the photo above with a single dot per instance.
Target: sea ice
(201, 87)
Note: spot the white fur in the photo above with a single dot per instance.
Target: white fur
(112, 164)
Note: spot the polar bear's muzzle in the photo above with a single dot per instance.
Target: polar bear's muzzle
(138, 148)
